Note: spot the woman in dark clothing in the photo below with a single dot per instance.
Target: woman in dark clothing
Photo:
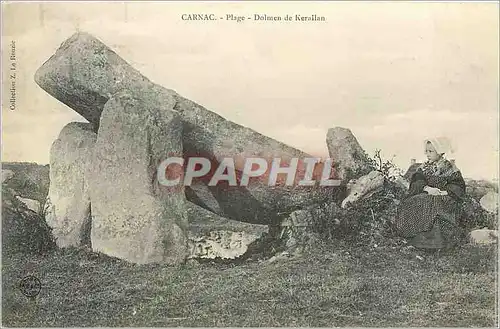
(430, 213)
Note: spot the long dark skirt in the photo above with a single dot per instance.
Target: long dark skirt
(430, 221)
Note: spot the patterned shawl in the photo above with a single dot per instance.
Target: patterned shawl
(442, 174)
(441, 168)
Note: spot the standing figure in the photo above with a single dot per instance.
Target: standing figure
(430, 214)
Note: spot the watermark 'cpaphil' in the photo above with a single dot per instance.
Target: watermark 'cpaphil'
(236, 171)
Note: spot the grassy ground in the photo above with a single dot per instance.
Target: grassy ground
(390, 285)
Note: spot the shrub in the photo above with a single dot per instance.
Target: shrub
(368, 220)
(23, 231)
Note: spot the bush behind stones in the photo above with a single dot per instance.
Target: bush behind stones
(23, 231)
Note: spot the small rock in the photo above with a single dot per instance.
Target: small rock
(32, 205)
(483, 236)
(285, 254)
(489, 202)
(221, 244)
(298, 218)
(402, 182)
(280, 256)
(192, 263)
(6, 175)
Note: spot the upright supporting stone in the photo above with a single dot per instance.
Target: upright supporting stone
(349, 157)
(133, 217)
(67, 209)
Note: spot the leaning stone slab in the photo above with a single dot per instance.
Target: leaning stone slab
(67, 208)
(363, 187)
(84, 73)
(133, 217)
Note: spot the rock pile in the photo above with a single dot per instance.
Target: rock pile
(104, 173)
(84, 73)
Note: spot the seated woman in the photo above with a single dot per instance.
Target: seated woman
(429, 216)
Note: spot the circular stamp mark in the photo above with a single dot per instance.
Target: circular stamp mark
(30, 286)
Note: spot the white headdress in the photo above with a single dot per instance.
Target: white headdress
(441, 144)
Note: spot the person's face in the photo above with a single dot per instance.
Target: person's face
(431, 153)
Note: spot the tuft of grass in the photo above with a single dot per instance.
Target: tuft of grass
(330, 286)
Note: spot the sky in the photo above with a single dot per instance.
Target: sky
(393, 73)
